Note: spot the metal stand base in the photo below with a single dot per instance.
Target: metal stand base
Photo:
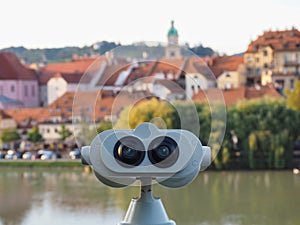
(146, 210)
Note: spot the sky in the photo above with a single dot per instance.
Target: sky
(227, 26)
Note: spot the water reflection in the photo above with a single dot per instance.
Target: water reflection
(74, 197)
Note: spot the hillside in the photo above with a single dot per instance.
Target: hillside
(51, 55)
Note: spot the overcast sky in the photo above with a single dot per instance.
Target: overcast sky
(226, 26)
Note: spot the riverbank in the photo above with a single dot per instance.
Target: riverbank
(40, 163)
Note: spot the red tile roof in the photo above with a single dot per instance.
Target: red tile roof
(12, 69)
(111, 74)
(166, 66)
(233, 96)
(143, 70)
(77, 66)
(4, 115)
(70, 71)
(93, 105)
(24, 116)
(287, 40)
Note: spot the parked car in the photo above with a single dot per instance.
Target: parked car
(2, 155)
(12, 154)
(47, 154)
(75, 154)
(28, 155)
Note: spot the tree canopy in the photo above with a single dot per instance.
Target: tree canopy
(64, 132)
(9, 135)
(34, 135)
(293, 97)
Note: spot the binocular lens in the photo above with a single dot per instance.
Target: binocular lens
(126, 154)
(163, 152)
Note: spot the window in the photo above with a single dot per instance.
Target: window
(103, 108)
(265, 52)
(258, 71)
(257, 59)
(12, 88)
(228, 75)
(32, 90)
(25, 91)
(192, 87)
(266, 65)
(292, 85)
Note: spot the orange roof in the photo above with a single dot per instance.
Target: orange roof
(24, 116)
(143, 70)
(77, 66)
(233, 96)
(4, 115)
(70, 71)
(221, 64)
(166, 66)
(197, 65)
(287, 40)
(111, 74)
(12, 69)
(89, 105)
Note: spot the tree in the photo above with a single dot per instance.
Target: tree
(266, 130)
(293, 97)
(34, 135)
(153, 110)
(64, 132)
(10, 135)
(104, 125)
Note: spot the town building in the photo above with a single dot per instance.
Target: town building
(18, 82)
(6, 121)
(58, 78)
(235, 95)
(274, 57)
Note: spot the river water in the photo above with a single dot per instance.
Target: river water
(60, 197)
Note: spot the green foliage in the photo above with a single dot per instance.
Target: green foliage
(293, 97)
(86, 134)
(266, 130)
(10, 135)
(65, 54)
(64, 132)
(34, 135)
(200, 50)
(104, 125)
(157, 112)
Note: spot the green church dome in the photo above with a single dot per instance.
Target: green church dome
(172, 31)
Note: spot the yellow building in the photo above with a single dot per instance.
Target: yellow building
(6, 121)
(274, 57)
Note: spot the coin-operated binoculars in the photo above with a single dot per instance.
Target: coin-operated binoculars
(172, 158)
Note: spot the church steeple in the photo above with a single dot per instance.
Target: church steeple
(172, 34)
(172, 50)
(172, 30)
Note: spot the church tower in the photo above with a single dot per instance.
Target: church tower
(172, 50)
